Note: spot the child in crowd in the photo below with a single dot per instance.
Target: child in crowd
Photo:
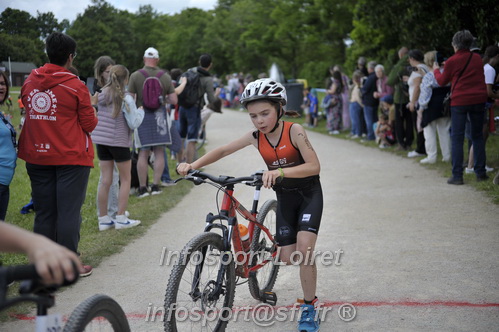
(118, 116)
(387, 107)
(384, 132)
(313, 107)
(293, 173)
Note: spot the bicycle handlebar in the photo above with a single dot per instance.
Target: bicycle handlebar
(199, 177)
(9, 274)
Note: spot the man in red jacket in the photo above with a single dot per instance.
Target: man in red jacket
(56, 145)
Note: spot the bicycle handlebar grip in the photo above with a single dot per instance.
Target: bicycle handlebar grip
(21, 272)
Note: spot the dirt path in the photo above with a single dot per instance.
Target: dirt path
(416, 254)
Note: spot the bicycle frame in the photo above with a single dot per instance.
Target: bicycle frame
(230, 205)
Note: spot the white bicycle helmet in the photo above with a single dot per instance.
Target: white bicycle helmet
(264, 88)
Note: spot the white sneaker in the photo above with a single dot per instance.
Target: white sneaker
(414, 154)
(124, 222)
(472, 170)
(427, 161)
(354, 137)
(105, 223)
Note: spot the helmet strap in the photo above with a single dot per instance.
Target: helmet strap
(280, 113)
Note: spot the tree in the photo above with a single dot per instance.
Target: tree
(103, 30)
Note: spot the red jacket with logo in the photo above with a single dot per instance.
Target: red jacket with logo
(59, 119)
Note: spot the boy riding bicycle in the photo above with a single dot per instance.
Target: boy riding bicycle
(290, 157)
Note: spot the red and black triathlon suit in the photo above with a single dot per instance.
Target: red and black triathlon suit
(299, 200)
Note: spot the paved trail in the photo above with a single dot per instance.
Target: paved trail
(416, 254)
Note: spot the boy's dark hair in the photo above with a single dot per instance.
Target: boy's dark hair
(416, 55)
(59, 46)
(205, 60)
(6, 79)
(175, 74)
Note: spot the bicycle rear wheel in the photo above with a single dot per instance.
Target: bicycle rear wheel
(262, 248)
(97, 313)
(192, 300)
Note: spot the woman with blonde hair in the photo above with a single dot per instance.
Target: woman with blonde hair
(434, 120)
(118, 116)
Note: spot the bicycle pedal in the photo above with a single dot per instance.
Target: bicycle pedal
(269, 297)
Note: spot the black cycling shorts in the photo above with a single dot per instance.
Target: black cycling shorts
(116, 153)
(298, 210)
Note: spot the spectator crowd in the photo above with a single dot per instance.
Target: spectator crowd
(134, 117)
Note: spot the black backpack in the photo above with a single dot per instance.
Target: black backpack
(191, 94)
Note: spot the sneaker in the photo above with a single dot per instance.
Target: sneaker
(168, 183)
(382, 146)
(355, 137)
(142, 192)
(105, 223)
(155, 190)
(87, 270)
(309, 320)
(334, 132)
(413, 154)
(427, 161)
(472, 170)
(455, 181)
(124, 222)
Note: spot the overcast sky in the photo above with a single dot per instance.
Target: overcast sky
(70, 8)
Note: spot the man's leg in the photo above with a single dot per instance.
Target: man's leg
(142, 166)
(159, 163)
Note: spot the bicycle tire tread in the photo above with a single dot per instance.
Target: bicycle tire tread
(98, 305)
(178, 269)
(253, 284)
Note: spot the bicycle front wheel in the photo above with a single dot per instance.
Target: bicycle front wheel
(196, 300)
(97, 313)
(262, 248)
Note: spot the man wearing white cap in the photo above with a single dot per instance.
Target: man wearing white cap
(153, 134)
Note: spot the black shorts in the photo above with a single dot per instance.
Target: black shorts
(116, 153)
(298, 210)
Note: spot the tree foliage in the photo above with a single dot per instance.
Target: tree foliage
(304, 37)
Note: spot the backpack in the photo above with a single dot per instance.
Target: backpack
(152, 90)
(191, 94)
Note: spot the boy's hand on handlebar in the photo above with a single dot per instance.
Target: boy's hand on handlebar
(53, 262)
(183, 168)
(270, 178)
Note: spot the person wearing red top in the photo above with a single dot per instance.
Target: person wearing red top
(469, 93)
(56, 144)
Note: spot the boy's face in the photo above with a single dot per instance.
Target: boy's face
(263, 115)
(385, 105)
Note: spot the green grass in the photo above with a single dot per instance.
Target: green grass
(492, 151)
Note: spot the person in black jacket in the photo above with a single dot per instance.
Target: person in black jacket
(370, 103)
